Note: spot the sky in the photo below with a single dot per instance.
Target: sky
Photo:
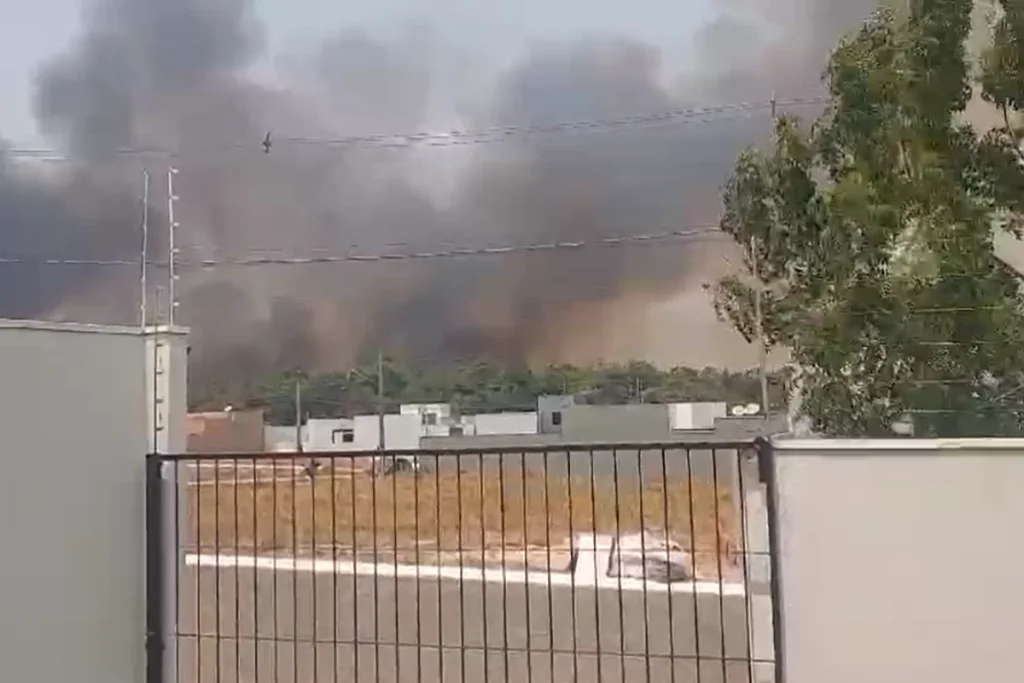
(335, 82)
(495, 31)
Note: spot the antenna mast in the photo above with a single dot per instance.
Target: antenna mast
(145, 248)
(172, 249)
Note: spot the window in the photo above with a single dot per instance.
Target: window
(430, 419)
(455, 430)
(556, 418)
(347, 435)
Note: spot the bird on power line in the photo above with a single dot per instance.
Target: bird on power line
(267, 143)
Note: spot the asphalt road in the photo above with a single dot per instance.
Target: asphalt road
(280, 627)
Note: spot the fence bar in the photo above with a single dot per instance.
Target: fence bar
(155, 607)
(596, 563)
(767, 472)
(163, 556)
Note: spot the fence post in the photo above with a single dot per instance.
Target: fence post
(767, 475)
(154, 570)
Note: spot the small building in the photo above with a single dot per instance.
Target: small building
(359, 433)
(435, 419)
(438, 420)
(401, 432)
(328, 434)
(684, 416)
(490, 424)
(280, 438)
(551, 412)
(630, 422)
(226, 431)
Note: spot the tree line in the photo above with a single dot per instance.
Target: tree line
(482, 388)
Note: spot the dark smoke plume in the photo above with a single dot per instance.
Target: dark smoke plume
(163, 74)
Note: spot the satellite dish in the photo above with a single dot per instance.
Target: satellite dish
(738, 411)
(228, 409)
(753, 408)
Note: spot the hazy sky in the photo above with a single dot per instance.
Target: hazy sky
(498, 30)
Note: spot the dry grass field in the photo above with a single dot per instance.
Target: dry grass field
(464, 516)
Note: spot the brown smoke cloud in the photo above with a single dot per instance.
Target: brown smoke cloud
(153, 73)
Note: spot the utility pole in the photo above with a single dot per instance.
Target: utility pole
(298, 414)
(145, 248)
(762, 351)
(758, 302)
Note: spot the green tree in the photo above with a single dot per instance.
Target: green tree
(873, 237)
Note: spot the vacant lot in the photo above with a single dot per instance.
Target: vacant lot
(465, 516)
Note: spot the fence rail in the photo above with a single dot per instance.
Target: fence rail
(596, 562)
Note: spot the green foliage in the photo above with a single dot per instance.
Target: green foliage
(874, 235)
(482, 388)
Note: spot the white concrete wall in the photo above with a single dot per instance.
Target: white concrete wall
(367, 432)
(441, 410)
(322, 435)
(684, 416)
(166, 359)
(680, 415)
(401, 432)
(281, 438)
(74, 420)
(901, 560)
(442, 428)
(505, 423)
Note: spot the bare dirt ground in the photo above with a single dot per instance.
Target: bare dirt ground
(477, 517)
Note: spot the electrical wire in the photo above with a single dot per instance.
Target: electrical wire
(353, 257)
(490, 135)
(497, 133)
(494, 134)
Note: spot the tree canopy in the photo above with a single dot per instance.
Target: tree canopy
(482, 388)
(874, 233)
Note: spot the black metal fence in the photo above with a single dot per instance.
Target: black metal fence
(610, 562)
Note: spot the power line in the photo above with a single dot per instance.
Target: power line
(491, 135)
(497, 133)
(353, 257)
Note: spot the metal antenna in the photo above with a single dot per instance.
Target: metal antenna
(172, 249)
(145, 248)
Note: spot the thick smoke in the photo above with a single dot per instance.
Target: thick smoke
(177, 75)
(71, 216)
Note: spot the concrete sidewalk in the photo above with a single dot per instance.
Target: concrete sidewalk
(298, 627)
